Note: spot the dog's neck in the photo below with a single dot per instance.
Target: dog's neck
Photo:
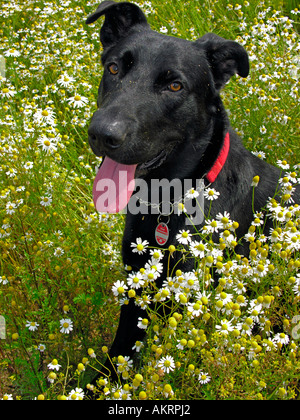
(211, 176)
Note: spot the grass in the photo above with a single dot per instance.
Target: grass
(60, 259)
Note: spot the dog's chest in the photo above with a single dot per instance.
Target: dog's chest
(159, 232)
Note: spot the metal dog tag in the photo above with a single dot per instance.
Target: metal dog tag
(162, 234)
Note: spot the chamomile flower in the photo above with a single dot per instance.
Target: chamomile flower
(246, 326)
(65, 80)
(156, 266)
(10, 207)
(195, 309)
(78, 101)
(296, 287)
(211, 194)
(261, 269)
(263, 129)
(198, 248)
(292, 239)
(203, 378)
(51, 377)
(255, 309)
(8, 92)
(184, 237)
(151, 273)
(138, 346)
(44, 117)
(32, 326)
(240, 288)
(54, 365)
(224, 297)
(143, 323)
(212, 226)
(229, 239)
(11, 173)
(41, 348)
(139, 246)
(191, 282)
(66, 326)
(204, 297)
(191, 193)
(281, 338)
(124, 363)
(225, 327)
(181, 344)
(269, 344)
(119, 288)
(76, 394)
(224, 219)
(7, 397)
(12, 52)
(46, 201)
(59, 252)
(255, 181)
(143, 301)
(135, 280)
(47, 144)
(292, 176)
(163, 30)
(167, 364)
(156, 255)
(28, 165)
(283, 164)
(180, 209)
(91, 353)
(3, 280)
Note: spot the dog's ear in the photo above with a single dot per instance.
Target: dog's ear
(225, 58)
(119, 18)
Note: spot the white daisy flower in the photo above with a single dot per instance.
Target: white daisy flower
(167, 364)
(32, 326)
(54, 365)
(135, 280)
(204, 378)
(225, 327)
(66, 326)
(78, 101)
(184, 237)
(119, 288)
(140, 246)
(211, 194)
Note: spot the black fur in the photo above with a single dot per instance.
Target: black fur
(139, 117)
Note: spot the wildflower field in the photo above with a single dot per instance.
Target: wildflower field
(61, 275)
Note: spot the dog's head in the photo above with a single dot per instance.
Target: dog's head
(157, 91)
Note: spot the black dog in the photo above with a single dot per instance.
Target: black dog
(160, 117)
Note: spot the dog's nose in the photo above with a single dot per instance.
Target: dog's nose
(109, 135)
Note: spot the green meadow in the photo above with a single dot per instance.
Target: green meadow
(61, 275)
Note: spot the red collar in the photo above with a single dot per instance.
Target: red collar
(219, 163)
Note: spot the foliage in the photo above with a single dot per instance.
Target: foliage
(60, 259)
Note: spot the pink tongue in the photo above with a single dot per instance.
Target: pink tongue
(113, 186)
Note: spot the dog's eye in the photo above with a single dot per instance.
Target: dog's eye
(113, 69)
(175, 87)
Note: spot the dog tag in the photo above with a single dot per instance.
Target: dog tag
(162, 234)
